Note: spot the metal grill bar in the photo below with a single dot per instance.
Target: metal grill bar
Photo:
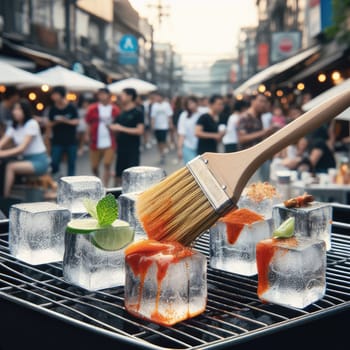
(233, 314)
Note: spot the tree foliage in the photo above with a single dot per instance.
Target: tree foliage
(340, 29)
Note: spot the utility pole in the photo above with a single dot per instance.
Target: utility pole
(161, 10)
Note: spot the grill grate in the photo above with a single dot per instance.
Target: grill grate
(233, 314)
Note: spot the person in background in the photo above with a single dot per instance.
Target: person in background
(207, 128)
(62, 126)
(147, 136)
(178, 108)
(10, 97)
(26, 135)
(82, 128)
(187, 142)
(251, 130)
(129, 127)
(278, 117)
(203, 105)
(161, 115)
(98, 118)
(229, 102)
(230, 140)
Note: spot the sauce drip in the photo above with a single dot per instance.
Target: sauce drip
(235, 221)
(265, 251)
(141, 255)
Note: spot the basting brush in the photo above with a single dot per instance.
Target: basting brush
(190, 201)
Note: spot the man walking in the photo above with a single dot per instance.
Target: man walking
(161, 115)
(63, 122)
(129, 128)
(98, 118)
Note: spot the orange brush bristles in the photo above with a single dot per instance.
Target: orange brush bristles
(176, 209)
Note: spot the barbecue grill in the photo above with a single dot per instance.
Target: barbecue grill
(234, 313)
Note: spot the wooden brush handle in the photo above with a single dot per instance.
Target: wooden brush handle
(233, 170)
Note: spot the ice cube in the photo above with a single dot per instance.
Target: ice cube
(139, 178)
(127, 213)
(313, 221)
(90, 267)
(165, 287)
(36, 232)
(238, 256)
(263, 207)
(73, 189)
(291, 271)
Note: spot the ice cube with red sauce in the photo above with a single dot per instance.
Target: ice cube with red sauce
(292, 271)
(312, 221)
(165, 282)
(233, 241)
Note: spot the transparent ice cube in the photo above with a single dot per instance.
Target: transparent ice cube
(181, 294)
(139, 178)
(36, 232)
(73, 189)
(292, 271)
(313, 221)
(263, 207)
(238, 257)
(127, 213)
(90, 267)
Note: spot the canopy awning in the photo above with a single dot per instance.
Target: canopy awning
(327, 95)
(141, 86)
(274, 70)
(10, 75)
(73, 81)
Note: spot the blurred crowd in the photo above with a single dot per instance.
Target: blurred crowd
(117, 131)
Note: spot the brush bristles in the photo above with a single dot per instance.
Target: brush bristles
(176, 209)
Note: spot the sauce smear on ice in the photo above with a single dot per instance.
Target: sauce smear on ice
(140, 256)
(235, 221)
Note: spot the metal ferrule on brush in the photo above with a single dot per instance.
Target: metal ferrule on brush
(211, 188)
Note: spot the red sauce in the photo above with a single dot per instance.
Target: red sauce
(265, 250)
(140, 256)
(235, 221)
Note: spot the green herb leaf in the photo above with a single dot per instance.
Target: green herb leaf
(107, 210)
(286, 229)
(90, 207)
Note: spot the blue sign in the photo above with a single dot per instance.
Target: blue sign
(128, 49)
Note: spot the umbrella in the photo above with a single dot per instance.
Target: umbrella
(328, 94)
(10, 75)
(73, 81)
(141, 86)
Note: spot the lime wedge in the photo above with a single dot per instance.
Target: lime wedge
(286, 229)
(83, 225)
(113, 237)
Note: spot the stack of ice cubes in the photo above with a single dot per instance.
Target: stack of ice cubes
(292, 271)
(36, 232)
(72, 190)
(134, 181)
(313, 221)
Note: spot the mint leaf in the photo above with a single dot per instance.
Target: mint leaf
(90, 207)
(107, 210)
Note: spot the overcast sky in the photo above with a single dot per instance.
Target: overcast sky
(202, 30)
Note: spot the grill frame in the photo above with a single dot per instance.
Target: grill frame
(217, 327)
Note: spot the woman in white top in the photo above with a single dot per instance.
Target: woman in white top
(187, 140)
(230, 139)
(26, 135)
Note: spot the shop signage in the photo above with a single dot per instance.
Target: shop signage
(284, 45)
(128, 50)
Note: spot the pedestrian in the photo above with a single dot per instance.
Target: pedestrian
(82, 128)
(161, 115)
(230, 140)
(98, 118)
(147, 136)
(278, 118)
(10, 97)
(229, 102)
(129, 127)
(251, 130)
(178, 108)
(26, 136)
(207, 128)
(187, 140)
(62, 126)
(203, 105)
